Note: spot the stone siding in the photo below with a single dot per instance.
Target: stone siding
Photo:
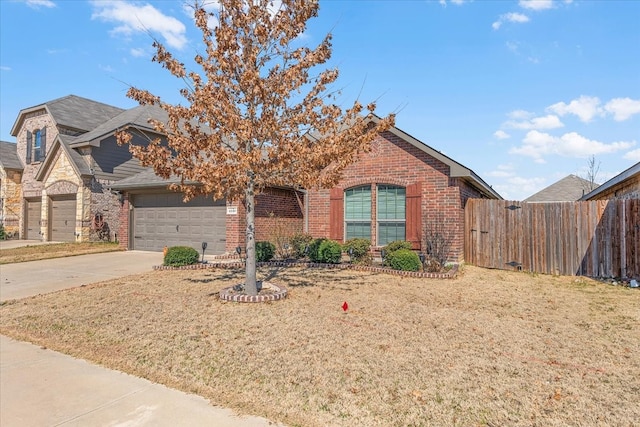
(11, 196)
(105, 213)
(627, 189)
(63, 179)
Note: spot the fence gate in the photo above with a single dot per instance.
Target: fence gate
(596, 238)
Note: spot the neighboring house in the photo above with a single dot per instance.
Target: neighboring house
(70, 157)
(568, 189)
(10, 188)
(76, 178)
(625, 185)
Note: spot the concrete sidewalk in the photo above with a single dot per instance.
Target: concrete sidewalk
(40, 387)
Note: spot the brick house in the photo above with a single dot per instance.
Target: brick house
(400, 190)
(625, 185)
(77, 184)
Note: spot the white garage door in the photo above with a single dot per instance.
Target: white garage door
(163, 219)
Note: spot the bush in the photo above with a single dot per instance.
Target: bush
(3, 235)
(265, 251)
(330, 252)
(397, 245)
(299, 243)
(404, 259)
(314, 249)
(394, 246)
(360, 250)
(180, 255)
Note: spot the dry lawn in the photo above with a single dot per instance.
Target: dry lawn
(490, 348)
(54, 250)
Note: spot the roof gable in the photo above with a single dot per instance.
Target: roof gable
(456, 170)
(137, 117)
(61, 142)
(72, 112)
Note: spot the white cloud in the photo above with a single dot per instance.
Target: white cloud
(456, 2)
(5, 68)
(500, 134)
(622, 108)
(536, 4)
(138, 52)
(37, 4)
(519, 188)
(633, 155)
(131, 18)
(549, 121)
(585, 107)
(539, 144)
(520, 115)
(510, 17)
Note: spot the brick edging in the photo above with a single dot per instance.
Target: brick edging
(451, 274)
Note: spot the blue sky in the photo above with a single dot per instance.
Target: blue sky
(522, 92)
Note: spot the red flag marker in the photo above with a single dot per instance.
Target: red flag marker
(345, 306)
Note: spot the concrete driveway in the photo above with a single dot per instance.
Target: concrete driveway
(40, 387)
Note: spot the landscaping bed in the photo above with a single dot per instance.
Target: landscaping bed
(487, 348)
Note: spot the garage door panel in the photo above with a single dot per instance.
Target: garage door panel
(34, 213)
(62, 218)
(161, 220)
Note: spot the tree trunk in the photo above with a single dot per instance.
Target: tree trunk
(251, 287)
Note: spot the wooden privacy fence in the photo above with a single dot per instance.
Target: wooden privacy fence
(596, 238)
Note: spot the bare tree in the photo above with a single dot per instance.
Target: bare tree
(591, 175)
(255, 116)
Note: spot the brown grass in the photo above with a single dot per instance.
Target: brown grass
(54, 250)
(490, 348)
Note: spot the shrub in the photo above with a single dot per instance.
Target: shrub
(397, 245)
(394, 246)
(330, 252)
(265, 251)
(314, 249)
(404, 259)
(359, 250)
(180, 255)
(299, 243)
(3, 235)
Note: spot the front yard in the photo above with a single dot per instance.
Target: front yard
(488, 348)
(54, 250)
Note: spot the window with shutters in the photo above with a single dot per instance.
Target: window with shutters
(391, 214)
(36, 145)
(357, 212)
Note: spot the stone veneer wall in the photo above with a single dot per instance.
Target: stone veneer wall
(107, 204)
(32, 189)
(11, 195)
(63, 180)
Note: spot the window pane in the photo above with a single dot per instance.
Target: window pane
(390, 231)
(361, 230)
(37, 141)
(391, 202)
(357, 203)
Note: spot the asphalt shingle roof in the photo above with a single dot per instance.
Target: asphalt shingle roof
(568, 189)
(9, 156)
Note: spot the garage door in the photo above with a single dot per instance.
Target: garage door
(161, 220)
(62, 218)
(32, 227)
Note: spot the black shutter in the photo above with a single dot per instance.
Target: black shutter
(29, 146)
(43, 143)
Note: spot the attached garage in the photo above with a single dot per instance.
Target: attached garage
(32, 226)
(62, 218)
(163, 219)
